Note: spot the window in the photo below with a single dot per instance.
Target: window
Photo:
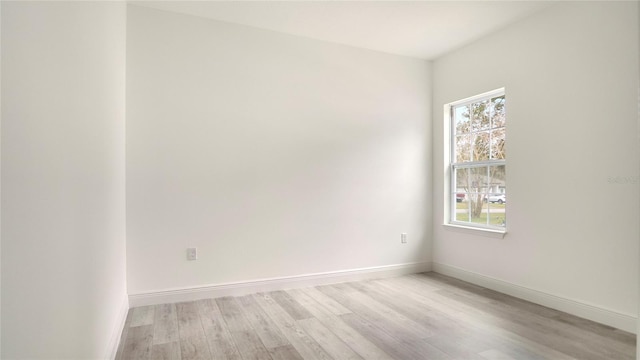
(477, 161)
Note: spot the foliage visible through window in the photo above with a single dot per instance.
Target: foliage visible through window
(478, 162)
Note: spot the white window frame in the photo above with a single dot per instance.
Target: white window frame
(451, 165)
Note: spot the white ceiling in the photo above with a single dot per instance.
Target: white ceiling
(422, 29)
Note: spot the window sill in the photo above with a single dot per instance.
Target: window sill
(492, 233)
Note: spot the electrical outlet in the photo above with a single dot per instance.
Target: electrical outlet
(403, 238)
(192, 253)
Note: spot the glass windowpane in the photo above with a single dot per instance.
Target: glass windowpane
(497, 214)
(462, 214)
(463, 148)
(497, 183)
(480, 119)
(461, 119)
(481, 146)
(498, 115)
(497, 144)
(462, 180)
(478, 188)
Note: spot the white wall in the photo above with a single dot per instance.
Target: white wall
(571, 78)
(274, 155)
(63, 233)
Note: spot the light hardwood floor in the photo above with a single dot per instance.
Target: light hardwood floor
(421, 316)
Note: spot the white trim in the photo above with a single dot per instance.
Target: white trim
(475, 98)
(116, 334)
(272, 284)
(487, 232)
(595, 313)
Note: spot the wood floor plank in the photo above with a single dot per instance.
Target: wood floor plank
(545, 319)
(457, 347)
(419, 330)
(430, 298)
(486, 295)
(250, 346)
(223, 349)
(444, 326)
(287, 352)
(514, 343)
(477, 319)
(219, 338)
(194, 348)
(298, 338)
(427, 284)
(419, 316)
(211, 319)
(428, 301)
(335, 307)
(573, 343)
(356, 341)
(402, 328)
(380, 338)
(328, 340)
(453, 337)
(495, 355)
(266, 329)
(142, 315)
(138, 343)
(600, 329)
(165, 324)
(535, 323)
(232, 314)
(166, 351)
(291, 306)
(123, 336)
(469, 318)
(189, 325)
(436, 321)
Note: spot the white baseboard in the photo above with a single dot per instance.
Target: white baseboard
(604, 316)
(114, 342)
(272, 284)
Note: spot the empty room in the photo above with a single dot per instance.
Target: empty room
(319, 179)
